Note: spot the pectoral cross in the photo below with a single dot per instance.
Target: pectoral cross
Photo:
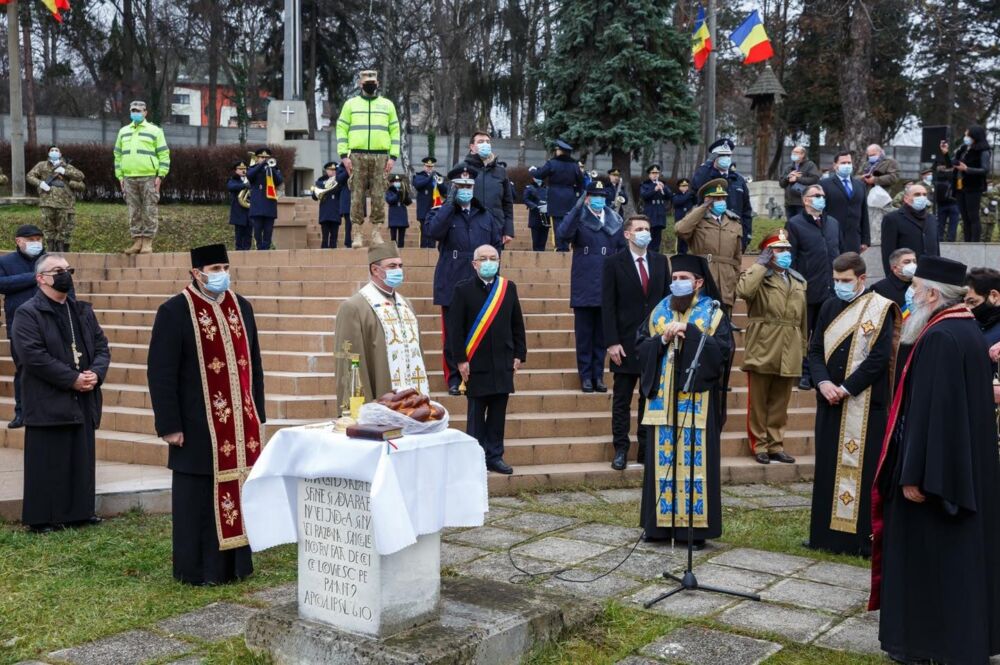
(76, 355)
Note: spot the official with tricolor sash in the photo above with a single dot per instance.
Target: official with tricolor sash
(851, 355)
(486, 337)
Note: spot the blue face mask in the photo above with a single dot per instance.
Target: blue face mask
(463, 195)
(394, 277)
(597, 203)
(642, 238)
(819, 203)
(784, 260)
(872, 159)
(484, 150)
(796, 157)
(718, 207)
(136, 117)
(489, 269)
(33, 248)
(397, 185)
(682, 287)
(845, 170)
(724, 162)
(844, 291)
(55, 156)
(217, 282)
(919, 203)
(967, 140)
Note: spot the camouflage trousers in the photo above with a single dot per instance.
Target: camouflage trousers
(57, 224)
(367, 180)
(142, 199)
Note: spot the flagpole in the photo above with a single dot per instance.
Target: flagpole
(16, 112)
(710, 79)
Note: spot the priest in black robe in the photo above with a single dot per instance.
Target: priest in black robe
(850, 358)
(666, 344)
(176, 371)
(936, 546)
(64, 358)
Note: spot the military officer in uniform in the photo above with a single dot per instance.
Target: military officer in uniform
(239, 217)
(423, 184)
(326, 190)
(265, 177)
(142, 160)
(595, 233)
(57, 182)
(536, 196)
(720, 165)
(655, 197)
(618, 194)
(565, 184)
(683, 201)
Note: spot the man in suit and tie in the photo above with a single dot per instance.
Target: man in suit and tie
(634, 282)
(487, 340)
(846, 202)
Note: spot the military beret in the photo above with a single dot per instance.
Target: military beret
(716, 187)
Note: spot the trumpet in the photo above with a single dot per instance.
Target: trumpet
(438, 178)
(272, 162)
(593, 175)
(619, 200)
(320, 193)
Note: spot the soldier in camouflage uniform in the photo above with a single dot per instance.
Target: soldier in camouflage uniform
(57, 183)
(991, 210)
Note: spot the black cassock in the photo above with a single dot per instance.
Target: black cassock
(873, 372)
(714, 359)
(940, 559)
(178, 401)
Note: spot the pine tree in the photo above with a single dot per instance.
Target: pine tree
(616, 80)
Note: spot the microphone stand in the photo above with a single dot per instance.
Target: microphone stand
(688, 582)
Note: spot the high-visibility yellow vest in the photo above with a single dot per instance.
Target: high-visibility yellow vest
(141, 150)
(370, 124)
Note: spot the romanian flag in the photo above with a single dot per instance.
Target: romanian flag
(485, 317)
(270, 191)
(701, 43)
(436, 199)
(54, 6)
(752, 40)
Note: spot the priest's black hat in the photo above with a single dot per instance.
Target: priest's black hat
(942, 270)
(209, 255)
(699, 266)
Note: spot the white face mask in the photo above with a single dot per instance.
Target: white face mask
(909, 270)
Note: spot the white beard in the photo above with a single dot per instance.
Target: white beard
(914, 324)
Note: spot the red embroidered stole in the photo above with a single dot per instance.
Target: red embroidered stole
(224, 361)
(875, 599)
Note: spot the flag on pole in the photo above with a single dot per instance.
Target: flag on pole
(752, 40)
(701, 42)
(54, 6)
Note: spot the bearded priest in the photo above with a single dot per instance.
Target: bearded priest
(206, 383)
(666, 345)
(935, 513)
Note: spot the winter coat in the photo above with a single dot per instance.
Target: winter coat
(777, 334)
(720, 242)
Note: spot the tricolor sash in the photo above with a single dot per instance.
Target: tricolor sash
(270, 191)
(863, 320)
(484, 320)
(402, 339)
(692, 406)
(875, 599)
(234, 425)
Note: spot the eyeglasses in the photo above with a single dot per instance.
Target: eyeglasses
(59, 271)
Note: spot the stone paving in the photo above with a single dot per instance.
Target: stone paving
(803, 601)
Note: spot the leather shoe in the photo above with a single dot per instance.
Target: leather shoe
(782, 457)
(41, 528)
(805, 383)
(17, 423)
(600, 387)
(619, 462)
(93, 519)
(762, 458)
(500, 466)
(454, 391)
(587, 385)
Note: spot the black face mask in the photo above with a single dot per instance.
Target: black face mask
(62, 282)
(369, 87)
(986, 313)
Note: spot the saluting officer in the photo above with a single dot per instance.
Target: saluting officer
(536, 196)
(423, 185)
(595, 231)
(720, 165)
(655, 198)
(564, 180)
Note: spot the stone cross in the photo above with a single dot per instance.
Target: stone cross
(288, 113)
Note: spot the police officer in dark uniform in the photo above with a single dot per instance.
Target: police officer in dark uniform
(595, 232)
(655, 197)
(565, 185)
(536, 201)
(263, 208)
(617, 192)
(423, 185)
(239, 217)
(720, 165)
(683, 201)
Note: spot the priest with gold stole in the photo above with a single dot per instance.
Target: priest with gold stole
(666, 344)
(206, 383)
(851, 357)
(379, 326)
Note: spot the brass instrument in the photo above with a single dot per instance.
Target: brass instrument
(319, 193)
(593, 175)
(619, 200)
(438, 178)
(243, 198)
(272, 162)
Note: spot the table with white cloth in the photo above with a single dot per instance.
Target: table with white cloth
(367, 516)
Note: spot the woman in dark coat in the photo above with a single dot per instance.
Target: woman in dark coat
(971, 165)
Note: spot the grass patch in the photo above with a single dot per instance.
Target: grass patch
(74, 586)
(103, 227)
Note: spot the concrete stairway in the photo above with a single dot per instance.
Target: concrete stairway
(556, 435)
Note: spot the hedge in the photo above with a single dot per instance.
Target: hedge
(198, 174)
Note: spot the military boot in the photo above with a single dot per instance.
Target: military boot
(146, 247)
(136, 246)
(358, 241)
(376, 236)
